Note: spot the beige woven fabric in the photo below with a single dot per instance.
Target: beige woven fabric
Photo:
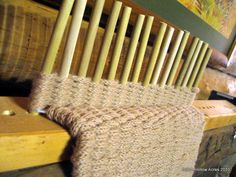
(154, 141)
(123, 130)
(53, 90)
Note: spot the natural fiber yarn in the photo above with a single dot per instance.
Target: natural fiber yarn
(123, 130)
(53, 90)
(155, 141)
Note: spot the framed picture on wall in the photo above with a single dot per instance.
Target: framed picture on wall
(219, 14)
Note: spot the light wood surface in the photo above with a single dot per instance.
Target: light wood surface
(177, 59)
(218, 113)
(73, 34)
(162, 55)
(90, 37)
(192, 64)
(197, 66)
(187, 62)
(132, 48)
(57, 36)
(106, 44)
(27, 140)
(119, 41)
(142, 48)
(171, 59)
(155, 53)
(202, 67)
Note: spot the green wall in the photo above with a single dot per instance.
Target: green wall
(177, 14)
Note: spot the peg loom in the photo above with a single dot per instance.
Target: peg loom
(166, 47)
(167, 51)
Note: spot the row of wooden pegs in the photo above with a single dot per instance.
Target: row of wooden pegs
(191, 70)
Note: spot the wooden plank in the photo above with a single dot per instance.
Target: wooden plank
(31, 149)
(27, 140)
(218, 113)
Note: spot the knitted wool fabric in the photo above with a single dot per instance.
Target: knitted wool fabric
(156, 141)
(53, 90)
(121, 130)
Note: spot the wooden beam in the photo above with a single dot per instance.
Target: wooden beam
(27, 140)
(218, 113)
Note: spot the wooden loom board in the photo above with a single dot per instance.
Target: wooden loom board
(28, 140)
(218, 113)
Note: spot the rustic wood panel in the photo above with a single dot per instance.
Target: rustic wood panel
(26, 28)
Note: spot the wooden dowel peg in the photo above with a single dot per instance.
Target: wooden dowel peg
(132, 49)
(57, 35)
(155, 53)
(142, 49)
(192, 63)
(119, 42)
(107, 40)
(186, 62)
(202, 68)
(178, 59)
(77, 18)
(90, 37)
(171, 58)
(197, 65)
(162, 55)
